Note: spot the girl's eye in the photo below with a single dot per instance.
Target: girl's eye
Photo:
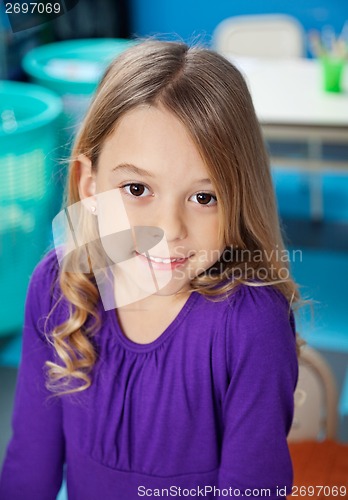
(205, 199)
(138, 190)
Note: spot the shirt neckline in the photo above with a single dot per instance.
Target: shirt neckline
(135, 346)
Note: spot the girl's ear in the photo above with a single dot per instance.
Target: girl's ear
(87, 185)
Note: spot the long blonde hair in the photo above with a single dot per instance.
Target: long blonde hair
(210, 97)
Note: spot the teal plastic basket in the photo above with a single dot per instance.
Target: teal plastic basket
(73, 69)
(28, 137)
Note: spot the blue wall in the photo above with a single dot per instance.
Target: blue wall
(190, 19)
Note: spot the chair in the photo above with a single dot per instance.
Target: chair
(317, 457)
(261, 36)
(316, 399)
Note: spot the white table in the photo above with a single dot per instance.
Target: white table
(291, 105)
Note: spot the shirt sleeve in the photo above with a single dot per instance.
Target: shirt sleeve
(33, 464)
(258, 404)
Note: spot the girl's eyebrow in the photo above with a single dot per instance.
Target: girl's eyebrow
(129, 168)
(132, 169)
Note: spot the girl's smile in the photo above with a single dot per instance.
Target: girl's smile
(162, 264)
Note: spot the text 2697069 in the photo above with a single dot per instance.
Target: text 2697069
(33, 8)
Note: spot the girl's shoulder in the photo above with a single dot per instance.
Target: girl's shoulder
(254, 301)
(257, 331)
(253, 332)
(257, 300)
(252, 313)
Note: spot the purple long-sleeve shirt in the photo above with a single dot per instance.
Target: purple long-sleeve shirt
(207, 404)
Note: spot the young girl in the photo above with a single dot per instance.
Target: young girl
(159, 351)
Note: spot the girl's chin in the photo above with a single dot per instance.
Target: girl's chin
(172, 288)
(126, 296)
(134, 282)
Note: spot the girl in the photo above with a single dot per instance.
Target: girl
(159, 351)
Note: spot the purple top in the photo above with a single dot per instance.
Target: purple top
(207, 404)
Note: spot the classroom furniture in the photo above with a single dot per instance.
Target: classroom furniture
(292, 106)
(28, 131)
(320, 462)
(322, 321)
(316, 399)
(264, 36)
(320, 469)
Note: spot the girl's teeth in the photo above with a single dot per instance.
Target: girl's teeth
(166, 261)
(162, 261)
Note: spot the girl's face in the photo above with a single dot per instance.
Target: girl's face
(161, 182)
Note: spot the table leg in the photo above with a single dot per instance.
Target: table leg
(315, 180)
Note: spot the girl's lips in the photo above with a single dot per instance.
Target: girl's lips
(162, 266)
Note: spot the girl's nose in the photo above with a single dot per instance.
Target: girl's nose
(171, 219)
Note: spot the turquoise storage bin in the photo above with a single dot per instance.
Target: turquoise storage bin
(73, 69)
(28, 137)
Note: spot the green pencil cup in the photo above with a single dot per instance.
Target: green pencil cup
(332, 73)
